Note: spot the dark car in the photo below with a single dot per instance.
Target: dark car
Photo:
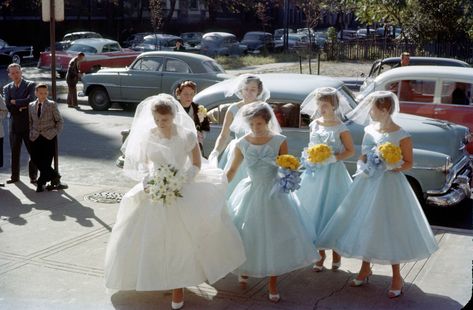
(17, 53)
(191, 39)
(258, 42)
(135, 39)
(157, 42)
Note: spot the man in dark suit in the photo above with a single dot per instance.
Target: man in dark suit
(45, 124)
(3, 114)
(72, 78)
(17, 95)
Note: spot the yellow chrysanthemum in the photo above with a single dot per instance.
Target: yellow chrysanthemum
(288, 162)
(319, 153)
(390, 153)
(202, 110)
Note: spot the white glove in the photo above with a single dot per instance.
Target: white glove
(144, 182)
(191, 173)
(331, 159)
(361, 168)
(213, 158)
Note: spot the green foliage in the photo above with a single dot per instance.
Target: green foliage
(332, 34)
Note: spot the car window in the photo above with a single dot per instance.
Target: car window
(212, 67)
(148, 64)
(3, 43)
(82, 48)
(176, 65)
(113, 47)
(413, 90)
(456, 93)
(287, 114)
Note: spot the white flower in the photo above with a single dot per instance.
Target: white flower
(165, 184)
(201, 113)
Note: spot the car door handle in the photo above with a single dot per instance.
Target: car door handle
(439, 109)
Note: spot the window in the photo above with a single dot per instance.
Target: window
(148, 64)
(82, 48)
(287, 114)
(456, 92)
(413, 90)
(212, 67)
(114, 47)
(176, 65)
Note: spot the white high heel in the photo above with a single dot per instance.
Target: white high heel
(177, 305)
(274, 297)
(336, 266)
(319, 268)
(243, 281)
(396, 293)
(355, 282)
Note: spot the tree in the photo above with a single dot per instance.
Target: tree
(156, 8)
(262, 13)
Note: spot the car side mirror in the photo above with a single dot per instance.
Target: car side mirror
(362, 74)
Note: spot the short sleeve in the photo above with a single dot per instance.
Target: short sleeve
(404, 134)
(342, 128)
(191, 141)
(233, 109)
(277, 141)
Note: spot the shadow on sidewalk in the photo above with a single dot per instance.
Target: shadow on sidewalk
(59, 203)
(12, 210)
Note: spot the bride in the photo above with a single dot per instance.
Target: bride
(169, 239)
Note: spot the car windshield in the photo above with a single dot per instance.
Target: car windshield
(82, 48)
(365, 92)
(213, 67)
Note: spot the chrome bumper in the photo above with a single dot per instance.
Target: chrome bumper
(460, 190)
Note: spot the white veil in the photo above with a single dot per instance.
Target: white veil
(138, 141)
(361, 114)
(310, 105)
(240, 83)
(240, 123)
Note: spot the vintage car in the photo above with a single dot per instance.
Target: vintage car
(221, 44)
(157, 42)
(258, 42)
(432, 91)
(151, 73)
(382, 65)
(17, 53)
(98, 53)
(441, 173)
(72, 36)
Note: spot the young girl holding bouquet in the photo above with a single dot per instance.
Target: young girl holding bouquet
(248, 88)
(172, 228)
(325, 181)
(380, 220)
(269, 222)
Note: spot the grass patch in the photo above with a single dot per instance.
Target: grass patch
(229, 62)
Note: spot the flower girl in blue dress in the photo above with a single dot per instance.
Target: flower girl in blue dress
(248, 88)
(380, 220)
(270, 225)
(324, 186)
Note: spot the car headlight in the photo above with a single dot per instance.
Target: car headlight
(468, 137)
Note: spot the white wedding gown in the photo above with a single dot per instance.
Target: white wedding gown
(158, 247)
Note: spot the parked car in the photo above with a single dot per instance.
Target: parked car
(258, 41)
(135, 39)
(98, 53)
(346, 35)
(441, 173)
(221, 44)
(191, 39)
(151, 73)
(17, 53)
(157, 42)
(60, 46)
(295, 41)
(278, 33)
(433, 91)
(382, 65)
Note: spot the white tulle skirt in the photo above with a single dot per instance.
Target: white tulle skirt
(158, 247)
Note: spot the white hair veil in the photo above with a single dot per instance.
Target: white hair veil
(240, 83)
(361, 114)
(310, 105)
(241, 125)
(138, 141)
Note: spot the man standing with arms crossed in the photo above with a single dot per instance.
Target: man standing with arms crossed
(17, 95)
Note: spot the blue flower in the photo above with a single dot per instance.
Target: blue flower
(289, 180)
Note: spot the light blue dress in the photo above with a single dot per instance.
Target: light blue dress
(322, 191)
(380, 220)
(227, 156)
(269, 222)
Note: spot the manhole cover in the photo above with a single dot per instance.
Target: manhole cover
(105, 197)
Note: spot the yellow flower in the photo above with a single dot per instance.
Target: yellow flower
(288, 162)
(202, 110)
(319, 153)
(390, 153)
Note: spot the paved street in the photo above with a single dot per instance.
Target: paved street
(52, 244)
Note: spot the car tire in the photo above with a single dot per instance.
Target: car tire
(99, 100)
(16, 59)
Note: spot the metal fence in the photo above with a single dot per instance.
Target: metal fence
(374, 49)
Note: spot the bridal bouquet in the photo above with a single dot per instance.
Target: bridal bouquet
(165, 184)
(316, 156)
(289, 176)
(201, 113)
(391, 155)
(386, 156)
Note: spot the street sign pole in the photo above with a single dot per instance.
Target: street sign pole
(52, 36)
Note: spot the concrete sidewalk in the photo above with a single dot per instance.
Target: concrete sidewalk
(52, 247)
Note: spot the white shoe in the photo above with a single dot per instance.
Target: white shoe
(274, 297)
(177, 305)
